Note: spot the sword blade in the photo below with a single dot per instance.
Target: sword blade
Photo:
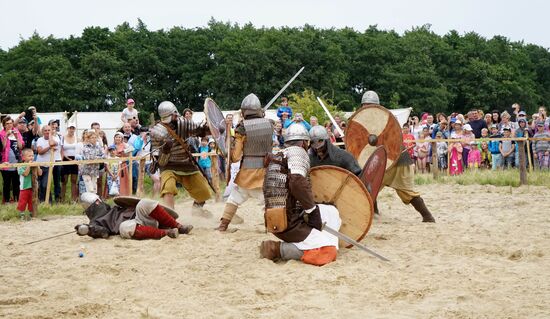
(331, 118)
(349, 240)
(283, 89)
(55, 236)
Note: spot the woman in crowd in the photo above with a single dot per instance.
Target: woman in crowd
(496, 117)
(12, 144)
(91, 151)
(328, 127)
(541, 149)
(414, 127)
(278, 139)
(505, 123)
(69, 172)
(122, 149)
(488, 119)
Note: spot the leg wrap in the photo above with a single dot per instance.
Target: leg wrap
(165, 220)
(148, 232)
(290, 251)
(229, 211)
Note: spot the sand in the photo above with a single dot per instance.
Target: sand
(488, 256)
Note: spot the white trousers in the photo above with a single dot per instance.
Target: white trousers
(318, 239)
(240, 195)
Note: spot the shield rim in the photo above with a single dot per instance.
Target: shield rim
(365, 191)
(392, 118)
(221, 136)
(132, 202)
(379, 149)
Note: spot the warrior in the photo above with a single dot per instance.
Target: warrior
(400, 177)
(175, 161)
(253, 141)
(130, 217)
(290, 210)
(323, 152)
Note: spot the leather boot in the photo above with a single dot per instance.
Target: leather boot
(418, 204)
(270, 249)
(224, 223)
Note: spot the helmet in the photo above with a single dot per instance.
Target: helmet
(296, 132)
(318, 133)
(87, 199)
(251, 102)
(370, 97)
(166, 109)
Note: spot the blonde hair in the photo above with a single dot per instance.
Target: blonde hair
(505, 114)
(89, 134)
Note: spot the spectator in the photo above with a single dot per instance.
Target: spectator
(49, 144)
(299, 118)
(313, 121)
(407, 136)
(54, 126)
(128, 133)
(144, 149)
(205, 162)
(12, 144)
(188, 114)
(505, 123)
(129, 112)
(91, 151)
(29, 132)
(494, 148)
(522, 131)
(329, 128)
(442, 128)
(468, 136)
(430, 123)
(25, 180)
(278, 139)
(506, 149)
(486, 156)
(476, 123)
(95, 126)
(113, 180)
(335, 131)
(31, 115)
(441, 152)
(496, 117)
(484, 133)
(123, 149)
(457, 150)
(474, 156)
(415, 128)
(422, 150)
(134, 124)
(541, 149)
(488, 119)
(284, 108)
(69, 172)
(285, 120)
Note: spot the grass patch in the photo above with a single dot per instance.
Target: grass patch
(487, 177)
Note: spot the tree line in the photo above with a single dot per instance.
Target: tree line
(99, 69)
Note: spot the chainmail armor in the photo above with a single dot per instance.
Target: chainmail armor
(259, 142)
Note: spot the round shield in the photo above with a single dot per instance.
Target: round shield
(337, 186)
(372, 174)
(228, 152)
(370, 127)
(216, 123)
(131, 201)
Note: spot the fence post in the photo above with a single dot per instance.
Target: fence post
(140, 177)
(529, 156)
(435, 166)
(50, 175)
(34, 180)
(130, 174)
(522, 168)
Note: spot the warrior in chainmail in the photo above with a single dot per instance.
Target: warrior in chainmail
(323, 152)
(253, 141)
(175, 161)
(401, 176)
(288, 189)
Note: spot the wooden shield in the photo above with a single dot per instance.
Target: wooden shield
(337, 186)
(131, 201)
(228, 152)
(372, 174)
(216, 123)
(377, 121)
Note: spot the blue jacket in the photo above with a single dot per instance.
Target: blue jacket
(283, 109)
(304, 123)
(493, 145)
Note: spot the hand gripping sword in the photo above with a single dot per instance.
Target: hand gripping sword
(283, 89)
(349, 240)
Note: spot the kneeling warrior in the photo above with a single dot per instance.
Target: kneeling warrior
(291, 213)
(146, 219)
(323, 152)
(175, 161)
(253, 141)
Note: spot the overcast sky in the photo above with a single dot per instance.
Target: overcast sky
(517, 20)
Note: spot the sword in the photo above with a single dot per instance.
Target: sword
(331, 118)
(36, 241)
(283, 89)
(349, 240)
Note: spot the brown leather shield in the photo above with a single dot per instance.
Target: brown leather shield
(216, 123)
(372, 174)
(337, 186)
(372, 126)
(228, 129)
(131, 201)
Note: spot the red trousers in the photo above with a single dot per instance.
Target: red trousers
(25, 200)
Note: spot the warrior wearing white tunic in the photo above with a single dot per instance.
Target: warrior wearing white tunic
(288, 189)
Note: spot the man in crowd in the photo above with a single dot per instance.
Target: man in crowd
(175, 161)
(288, 189)
(476, 122)
(400, 176)
(29, 132)
(48, 143)
(253, 141)
(323, 152)
(135, 219)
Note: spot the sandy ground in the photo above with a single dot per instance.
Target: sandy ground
(488, 256)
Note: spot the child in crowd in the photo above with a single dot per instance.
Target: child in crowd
(486, 156)
(407, 136)
(129, 112)
(494, 148)
(441, 151)
(541, 149)
(456, 159)
(507, 149)
(474, 156)
(484, 133)
(204, 160)
(25, 182)
(91, 150)
(113, 181)
(422, 149)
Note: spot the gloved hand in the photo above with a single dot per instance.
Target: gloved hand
(314, 219)
(82, 229)
(167, 146)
